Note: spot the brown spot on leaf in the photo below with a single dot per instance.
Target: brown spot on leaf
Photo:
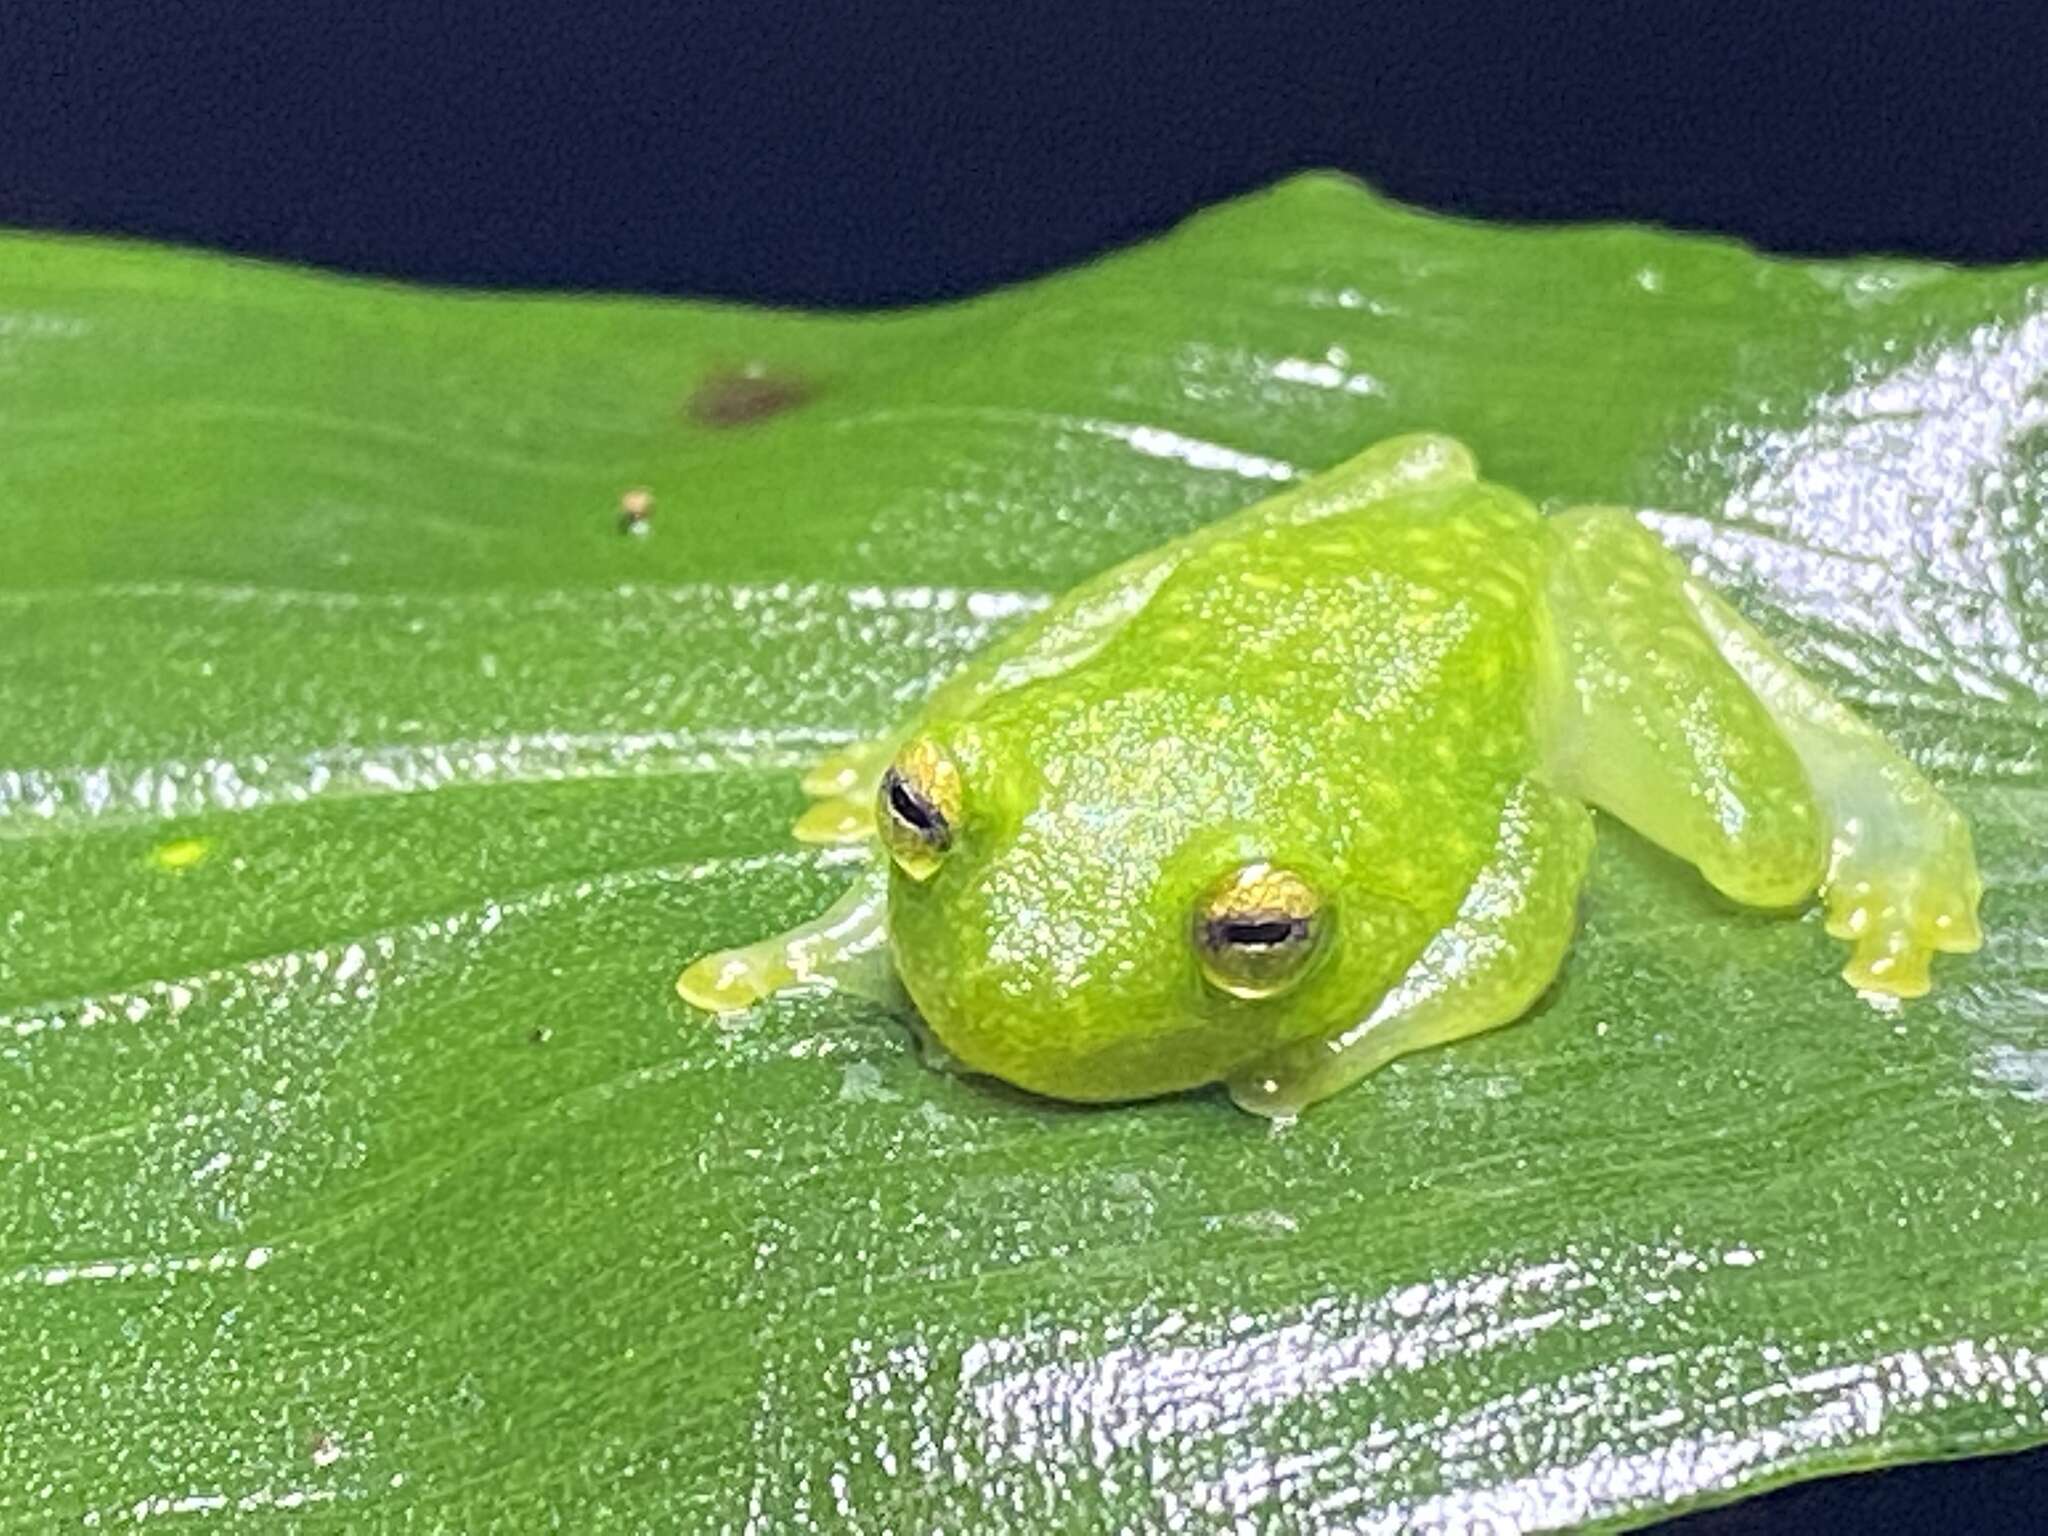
(735, 397)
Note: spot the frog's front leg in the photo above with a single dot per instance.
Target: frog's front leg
(845, 948)
(1686, 723)
(1484, 970)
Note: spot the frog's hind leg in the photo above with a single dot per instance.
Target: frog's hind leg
(1902, 879)
(841, 786)
(1655, 728)
(1694, 730)
(1486, 969)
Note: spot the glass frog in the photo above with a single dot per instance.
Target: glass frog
(1311, 787)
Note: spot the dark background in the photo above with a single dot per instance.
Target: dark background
(826, 152)
(833, 152)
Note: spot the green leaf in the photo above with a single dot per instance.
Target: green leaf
(363, 787)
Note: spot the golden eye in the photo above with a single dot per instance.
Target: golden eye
(1257, 929)
(919, 808)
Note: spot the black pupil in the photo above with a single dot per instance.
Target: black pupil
(1258, 932)
(911, 807)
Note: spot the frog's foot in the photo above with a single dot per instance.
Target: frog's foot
(1901, 881)
(845, 948)
(731, 980)
(1798, 791)
(842, 789)
(1899, 895)
(839, 819)
(846, 770)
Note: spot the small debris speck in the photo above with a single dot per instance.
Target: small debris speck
(860, 1082)
(636, 511)
(180, 853)
(540, 1035)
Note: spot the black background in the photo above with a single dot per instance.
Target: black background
(828, 152)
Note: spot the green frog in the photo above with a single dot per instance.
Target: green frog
(1311, 788)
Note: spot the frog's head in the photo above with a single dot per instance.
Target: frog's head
(1098, 915)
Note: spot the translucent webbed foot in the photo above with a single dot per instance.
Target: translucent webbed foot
(846, 771)
(730, 980)
(844, 948)
(842, 786)
(1897, 905)
(1900, 883)
(841, 819)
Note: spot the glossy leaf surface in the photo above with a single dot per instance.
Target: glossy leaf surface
(363, 786)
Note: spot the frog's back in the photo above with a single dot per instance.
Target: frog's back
(1375, 611)
(1385, 662)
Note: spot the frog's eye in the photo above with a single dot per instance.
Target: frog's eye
(918, 808)
(1257, 929)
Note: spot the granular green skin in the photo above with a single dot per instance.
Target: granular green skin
(1403, 686)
